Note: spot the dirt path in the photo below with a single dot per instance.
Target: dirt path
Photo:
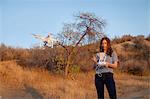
(27, 93)
(30, 93)
(142, 94)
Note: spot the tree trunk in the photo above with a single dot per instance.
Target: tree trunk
(70, 56)
(67, 65)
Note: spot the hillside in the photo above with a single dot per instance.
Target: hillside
(38, 74)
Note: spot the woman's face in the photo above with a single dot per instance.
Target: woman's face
(104, 44)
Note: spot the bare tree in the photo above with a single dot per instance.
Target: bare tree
(87, 29)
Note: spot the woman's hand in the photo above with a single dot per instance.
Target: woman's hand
(114, 65)
(94, 59)
(107, 64)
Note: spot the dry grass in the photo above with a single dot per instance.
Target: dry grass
(20, 83)
(129, 83)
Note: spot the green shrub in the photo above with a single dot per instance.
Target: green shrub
(75, 69)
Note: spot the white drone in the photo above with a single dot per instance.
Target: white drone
(48, 41)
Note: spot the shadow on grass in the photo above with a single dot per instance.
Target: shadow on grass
(34, 93)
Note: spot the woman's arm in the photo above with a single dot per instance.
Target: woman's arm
(114, 65)
(115, 61)
(94, 59)
(95, 62)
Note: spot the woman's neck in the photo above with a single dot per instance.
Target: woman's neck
(105, 51)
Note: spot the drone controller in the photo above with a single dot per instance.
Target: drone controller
(101, 63)
(102, 59)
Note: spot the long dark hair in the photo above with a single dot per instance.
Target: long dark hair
(109, 49)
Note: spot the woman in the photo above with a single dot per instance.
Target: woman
(105, 61)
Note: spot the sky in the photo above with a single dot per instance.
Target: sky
(21, 18)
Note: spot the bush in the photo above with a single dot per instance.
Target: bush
(124, 38)
(136, 70)
(75, 69)
(59, 65)
(127, 46)
(133, 66)
(51, 59)
(9, 53)
(148, 38)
